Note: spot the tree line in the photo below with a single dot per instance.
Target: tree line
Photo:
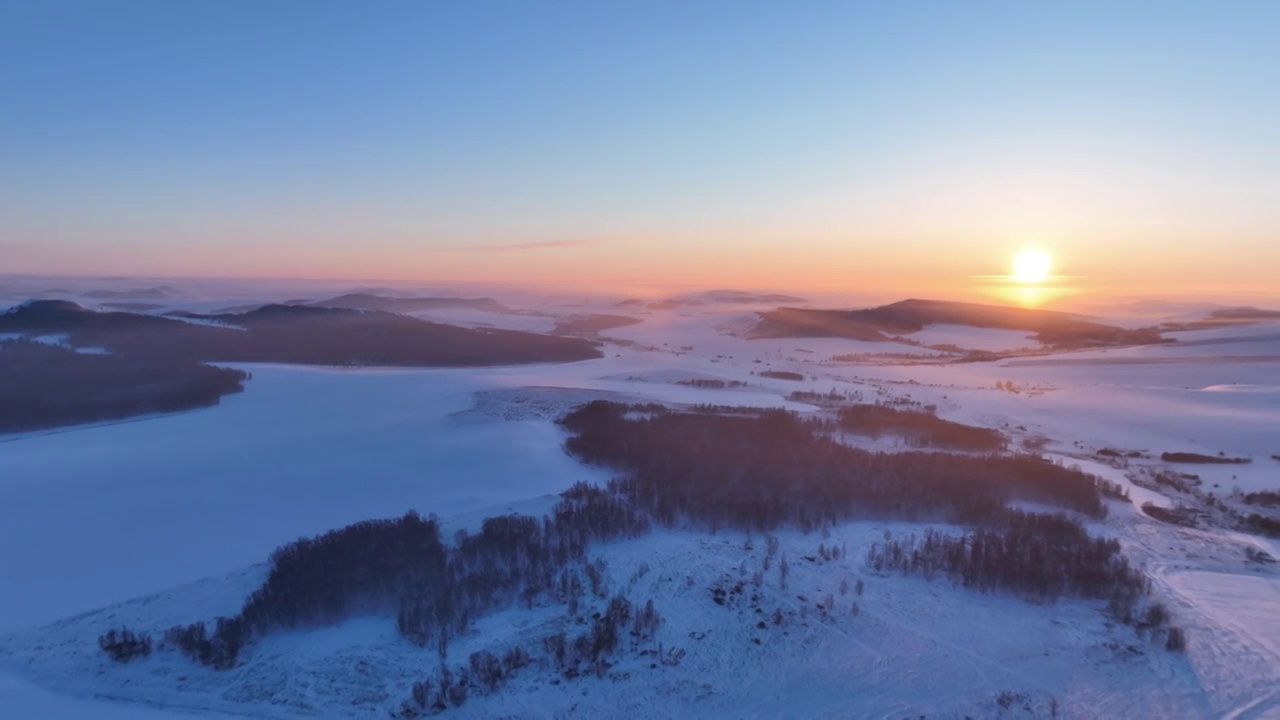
(1038, 556)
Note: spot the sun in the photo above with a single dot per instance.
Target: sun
(1031, 266)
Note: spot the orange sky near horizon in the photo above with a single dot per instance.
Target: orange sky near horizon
(1113, 226)
(974, 270)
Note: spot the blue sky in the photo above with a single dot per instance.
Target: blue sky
(410, 139)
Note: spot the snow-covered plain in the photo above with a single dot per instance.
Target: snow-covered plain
(305, 450)
(989, 339)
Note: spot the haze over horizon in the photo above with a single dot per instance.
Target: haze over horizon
(853, 148)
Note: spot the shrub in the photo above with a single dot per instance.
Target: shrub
(124, 645)
(781, 375)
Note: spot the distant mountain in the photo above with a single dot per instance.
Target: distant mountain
(1162, 307)
(879, 324)
(366, 301)
(34, 310)
(741, 297)
(250, 307)
(230, 310)
(292, 334)
(1245, 314)
(122, 333)
(163, 292)
(1227, 317)
(158, 363)
(713, 297)
(132, 306)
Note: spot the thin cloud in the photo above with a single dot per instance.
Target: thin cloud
(22, 250)
(527, 247)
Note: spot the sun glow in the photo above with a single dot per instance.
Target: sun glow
(1031, 266)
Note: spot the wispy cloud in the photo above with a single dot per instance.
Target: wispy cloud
(21, 250)
(527, 247)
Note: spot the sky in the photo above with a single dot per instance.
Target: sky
(827, 145)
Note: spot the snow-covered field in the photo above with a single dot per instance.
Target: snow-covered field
(167, 519)
(990, 339)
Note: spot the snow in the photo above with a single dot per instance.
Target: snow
(23, 700)
(58, 339)
(305, 450)
(970, 338)
(302, 451)
(1240, 628)
(914, 647)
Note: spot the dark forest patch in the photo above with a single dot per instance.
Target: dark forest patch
(919, 428)
(592, 324)
(781, 375)
(45, 386)
(1199, 459)
(759, 469)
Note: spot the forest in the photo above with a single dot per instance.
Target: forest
(1038, 556)
(44, 386)
(918, 428)
(758, 472)
(1265, 498)
(1262, 525)
(760, 469)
